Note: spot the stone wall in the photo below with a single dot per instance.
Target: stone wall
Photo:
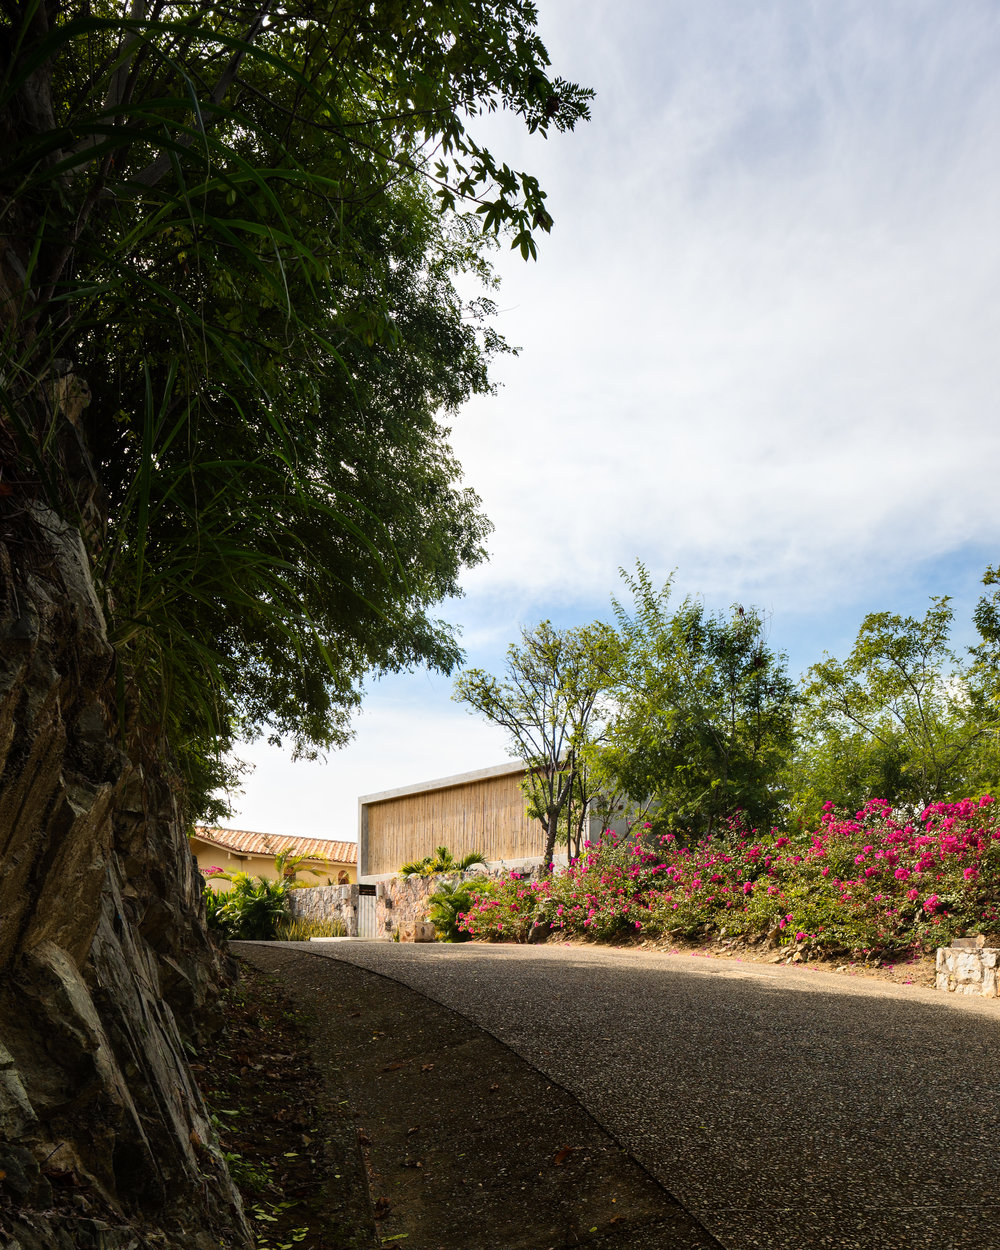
(401, 905)
(326, 902)
(968, 967)
(105, 959)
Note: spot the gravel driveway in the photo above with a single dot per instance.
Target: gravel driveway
(784, 1108)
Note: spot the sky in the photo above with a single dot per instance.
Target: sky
(758, 351)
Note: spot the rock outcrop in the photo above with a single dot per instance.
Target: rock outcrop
(106, 967)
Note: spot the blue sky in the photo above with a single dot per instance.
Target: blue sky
(758, 348)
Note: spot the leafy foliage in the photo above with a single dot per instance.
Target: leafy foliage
(865, 883)
(903, 717)
(448, 904)
(547, 704)
(704, 712)
(441, 861)
(245, 227)
(251, 909)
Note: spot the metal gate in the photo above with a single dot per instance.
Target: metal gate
(366, 911)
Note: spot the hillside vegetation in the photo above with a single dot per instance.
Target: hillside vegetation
(871, 882)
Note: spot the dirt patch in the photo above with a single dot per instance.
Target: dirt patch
(291, 1146)
(905, 969)
(465, 1145)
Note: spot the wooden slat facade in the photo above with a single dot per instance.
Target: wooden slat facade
(485, 814)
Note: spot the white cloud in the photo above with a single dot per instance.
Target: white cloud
(763, 332)
(760, 345)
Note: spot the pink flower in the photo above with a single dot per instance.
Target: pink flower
(902, 874)
(912, 895)
(931, 902)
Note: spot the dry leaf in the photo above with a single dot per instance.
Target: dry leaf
(564, 1154)
(426, 1067)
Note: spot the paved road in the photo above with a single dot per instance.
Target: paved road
(786, 1109)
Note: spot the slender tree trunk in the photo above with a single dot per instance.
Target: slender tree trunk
(551, 830)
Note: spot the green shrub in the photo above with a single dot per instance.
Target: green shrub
(448, 904)
(214, 900)
(251, 909)
(441, 861)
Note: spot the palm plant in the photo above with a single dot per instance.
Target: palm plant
(447, 904)
(288, 863)
(255, 908)
(252, 910)
(441, 861)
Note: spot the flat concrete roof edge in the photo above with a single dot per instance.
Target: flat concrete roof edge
(444, 783)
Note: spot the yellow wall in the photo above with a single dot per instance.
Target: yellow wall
(327, 873)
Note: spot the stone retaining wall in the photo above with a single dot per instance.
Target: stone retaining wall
(401, 905)
(326, 902)
(967, 967)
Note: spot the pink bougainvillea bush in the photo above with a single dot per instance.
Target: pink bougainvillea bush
(869, 882)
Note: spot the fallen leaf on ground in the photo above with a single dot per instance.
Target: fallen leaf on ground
(564, 1154)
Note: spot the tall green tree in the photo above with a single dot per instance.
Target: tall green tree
(903, 718)
(703, 721)
(232, 243)
(242, 228)
(549, 704)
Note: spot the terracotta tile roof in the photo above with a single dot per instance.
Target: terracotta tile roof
(243, 842)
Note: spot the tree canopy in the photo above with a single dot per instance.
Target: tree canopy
(548, 704)
(903, 718)
(704, 709)
(680, 716)
(244, 228)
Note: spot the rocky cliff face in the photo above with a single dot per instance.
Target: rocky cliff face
(105, 962)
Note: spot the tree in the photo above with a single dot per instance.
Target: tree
(703, 720)
(548, 704)
(243, 227)
(903, 718)
(231, 243)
